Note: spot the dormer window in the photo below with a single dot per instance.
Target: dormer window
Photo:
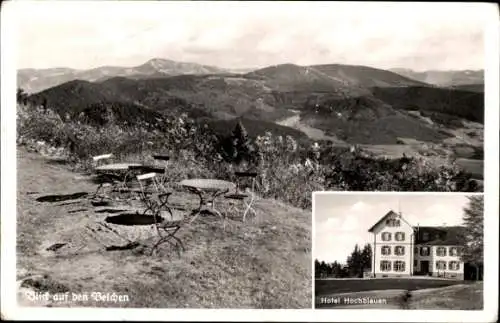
(425, 236)
(400, 236)
(386, 236)
(393, 223)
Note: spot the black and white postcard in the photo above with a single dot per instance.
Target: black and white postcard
(159, 159)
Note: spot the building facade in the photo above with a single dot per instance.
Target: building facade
(402, 250)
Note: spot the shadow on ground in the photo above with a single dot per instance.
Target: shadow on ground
(62, 197)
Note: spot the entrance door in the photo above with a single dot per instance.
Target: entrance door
(424, 267)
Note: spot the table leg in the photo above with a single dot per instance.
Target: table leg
(207, 203)
(215, 195)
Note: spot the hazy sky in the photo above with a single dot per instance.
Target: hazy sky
(251, 34)
(343, 220)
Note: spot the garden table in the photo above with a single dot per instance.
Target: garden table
(116, 167)
(208, 190)
(115, 175)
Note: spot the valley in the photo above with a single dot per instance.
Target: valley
(380, 111)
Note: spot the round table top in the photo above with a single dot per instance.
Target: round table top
(118, 166)
(208, 184)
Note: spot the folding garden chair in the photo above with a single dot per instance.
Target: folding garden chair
(162, 160)
(117, 176)
(100, 159)
(244, 194)
(104, 180)
(156, 204)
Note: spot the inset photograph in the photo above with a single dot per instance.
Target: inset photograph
(398, 250)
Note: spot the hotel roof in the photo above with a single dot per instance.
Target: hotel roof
(440, 235)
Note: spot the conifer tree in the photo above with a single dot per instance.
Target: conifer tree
(473, 237)
(241, 148)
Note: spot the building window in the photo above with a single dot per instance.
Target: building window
(386, 236)
(425, 236)
(415, 250)
(453, 251)
(393, 223)
(441, 265)
(424, 251)
(385, 265)
(399, 251)
(415, 263)
(400, 236)
(399, 265)
(441, 251)
(454, 265)
(386, 250)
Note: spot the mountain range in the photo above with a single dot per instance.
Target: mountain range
(354, 104)
(36, 80)
(444, 78)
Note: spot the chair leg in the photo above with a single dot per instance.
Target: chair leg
(170, 235)
(231, 208)
(177, 245)
(248, 208)
(97, 191)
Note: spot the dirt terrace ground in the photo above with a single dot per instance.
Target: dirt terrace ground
(262, 263)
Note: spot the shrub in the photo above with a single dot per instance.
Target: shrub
(288, 170)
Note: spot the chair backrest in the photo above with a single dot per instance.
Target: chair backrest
(143, 178)
(243, 177)
(149, 169)
(161, 157)
(101, 158)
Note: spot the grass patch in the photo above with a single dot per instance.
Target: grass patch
(458, 297)
(335, 286)
(417, 294)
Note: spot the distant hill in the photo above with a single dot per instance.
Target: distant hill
(73, 96)
(470, 87)
(444, 78)
(458, 103)
(241, 70)
(36, 80)
(366, 76)
(220, 97)
(290, 77)
(366, 120)
(347, 80)
(353, 103)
